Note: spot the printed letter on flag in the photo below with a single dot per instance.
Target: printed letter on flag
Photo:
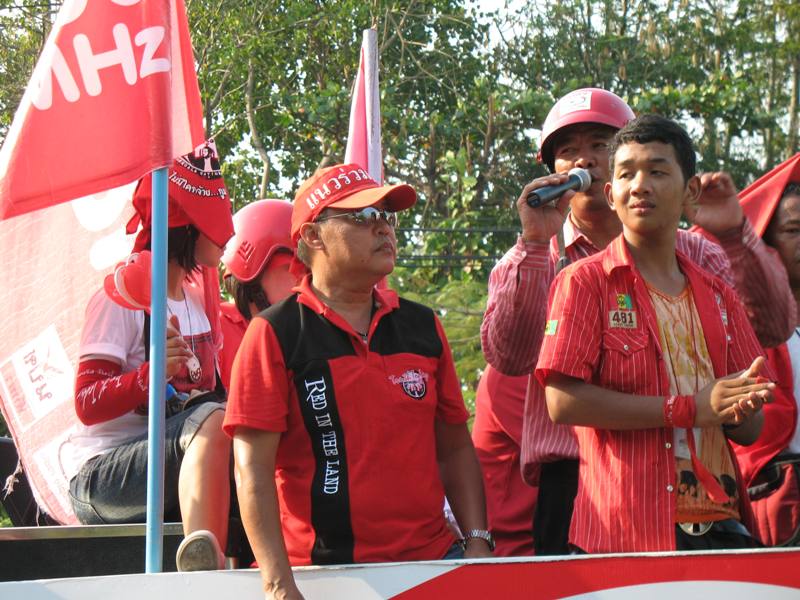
(364, 136)
(113, 96)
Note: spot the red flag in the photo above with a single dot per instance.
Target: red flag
(113, 96)
(364, 136)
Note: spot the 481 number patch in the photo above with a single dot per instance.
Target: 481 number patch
(624, 319)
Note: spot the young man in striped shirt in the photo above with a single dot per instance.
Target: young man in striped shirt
(655, 363)
(576, 134)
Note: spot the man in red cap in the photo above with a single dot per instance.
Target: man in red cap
(347, 396)
(576, 134)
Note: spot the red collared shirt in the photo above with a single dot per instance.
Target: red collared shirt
(513, 326)
(356, 469)
(602, 329)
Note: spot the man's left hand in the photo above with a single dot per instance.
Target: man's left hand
(717, 209)
(477, 548)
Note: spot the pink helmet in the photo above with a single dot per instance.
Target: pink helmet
(261, 229)
(586, 105)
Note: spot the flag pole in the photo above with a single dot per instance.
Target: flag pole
(156, 416)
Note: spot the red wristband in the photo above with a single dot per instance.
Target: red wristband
(679, 411)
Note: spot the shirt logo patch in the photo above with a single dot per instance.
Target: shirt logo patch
(414, 382)
(550, 327)
(624, 302)
(622, 319)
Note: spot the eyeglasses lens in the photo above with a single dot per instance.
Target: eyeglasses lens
(373, 215)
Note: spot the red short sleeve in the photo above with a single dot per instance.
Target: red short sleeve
(572, 337)
(259, 391)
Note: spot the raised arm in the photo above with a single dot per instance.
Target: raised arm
(760, 280)
(754, 269)
(513, 324)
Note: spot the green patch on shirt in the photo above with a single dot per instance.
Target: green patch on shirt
(550, 328)
(624, 302)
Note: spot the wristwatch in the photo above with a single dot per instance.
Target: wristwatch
(482, 534)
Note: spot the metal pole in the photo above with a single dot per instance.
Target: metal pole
(155, 420)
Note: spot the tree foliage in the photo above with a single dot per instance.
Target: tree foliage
(24, 27)
(726, 69)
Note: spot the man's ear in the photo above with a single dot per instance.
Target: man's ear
(692, 192)
(309, 233)
(607, 191)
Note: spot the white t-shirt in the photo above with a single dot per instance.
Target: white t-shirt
(793, 346)
(111, 330)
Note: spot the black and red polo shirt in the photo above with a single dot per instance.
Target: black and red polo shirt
(356, 469)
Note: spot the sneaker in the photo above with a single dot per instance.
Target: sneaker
(199, 551)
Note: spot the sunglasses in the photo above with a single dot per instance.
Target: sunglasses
(366, 216)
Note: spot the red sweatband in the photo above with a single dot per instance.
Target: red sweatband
(680, 411)
(102, 393)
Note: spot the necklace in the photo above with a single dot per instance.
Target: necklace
(193, 363)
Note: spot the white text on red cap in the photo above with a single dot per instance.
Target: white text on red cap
(339, 182)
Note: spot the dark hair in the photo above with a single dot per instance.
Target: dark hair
(793, 189)
(181, 243)
(654, 128)
(246, 292)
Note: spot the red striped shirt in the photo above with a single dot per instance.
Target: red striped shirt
(513, 326)
(626, 493)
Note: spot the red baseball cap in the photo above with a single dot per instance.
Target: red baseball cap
(345, 186)
(197, 196)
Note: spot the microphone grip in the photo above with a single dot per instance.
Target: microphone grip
(550, 193)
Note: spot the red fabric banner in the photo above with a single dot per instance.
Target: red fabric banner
(113, 96)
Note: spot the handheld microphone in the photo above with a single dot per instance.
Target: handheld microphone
(579, 180)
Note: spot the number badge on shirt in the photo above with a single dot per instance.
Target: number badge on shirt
(622, 319)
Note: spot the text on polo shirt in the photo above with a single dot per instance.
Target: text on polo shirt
(318, 400)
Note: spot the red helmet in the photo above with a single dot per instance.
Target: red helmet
(586, 105)
(262, 228)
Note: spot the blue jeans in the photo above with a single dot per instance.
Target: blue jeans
(723, 535)
(456, 551)
(112, 487)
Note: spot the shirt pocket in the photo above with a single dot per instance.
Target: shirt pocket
(625, 361)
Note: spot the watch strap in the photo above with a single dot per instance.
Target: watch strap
(482, 534)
